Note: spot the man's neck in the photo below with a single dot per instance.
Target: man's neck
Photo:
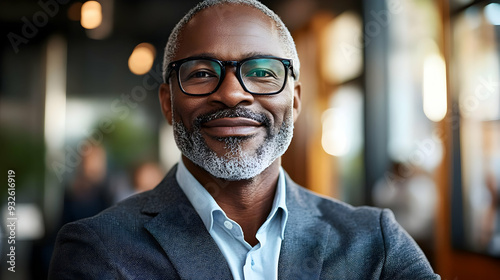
(247, 202)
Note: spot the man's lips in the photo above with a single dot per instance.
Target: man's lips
(226, 127)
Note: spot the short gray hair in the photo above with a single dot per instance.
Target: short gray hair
(284, 34)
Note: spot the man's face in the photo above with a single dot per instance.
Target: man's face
(231, 133)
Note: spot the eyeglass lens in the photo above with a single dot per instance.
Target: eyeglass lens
(259, 75)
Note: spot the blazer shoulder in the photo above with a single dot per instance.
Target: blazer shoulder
(137, 209)
(359, 235)
(331, 210)
(112, 244)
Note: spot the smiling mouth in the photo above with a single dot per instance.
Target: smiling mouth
(231, 127)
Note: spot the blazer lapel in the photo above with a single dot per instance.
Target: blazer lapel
(306, 237)
(182, 235)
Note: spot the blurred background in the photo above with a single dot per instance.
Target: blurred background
(401, 109)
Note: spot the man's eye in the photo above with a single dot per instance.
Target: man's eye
(201, 74)
(260, 73)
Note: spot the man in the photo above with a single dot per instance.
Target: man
(228, 210)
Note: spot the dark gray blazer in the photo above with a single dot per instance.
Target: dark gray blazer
(159, 235)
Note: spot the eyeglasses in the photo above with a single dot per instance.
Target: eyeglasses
(261, 75)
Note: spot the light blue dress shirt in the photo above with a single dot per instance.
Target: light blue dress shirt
(245, 261)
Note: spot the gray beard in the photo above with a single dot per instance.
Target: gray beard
(237, 164)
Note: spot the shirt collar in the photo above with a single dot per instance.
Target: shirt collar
(280, 202)
(205, 205)
(200, 198)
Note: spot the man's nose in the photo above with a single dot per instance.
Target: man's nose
(231, 92)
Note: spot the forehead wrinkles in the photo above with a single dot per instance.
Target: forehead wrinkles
(238, 13)
(217, 25)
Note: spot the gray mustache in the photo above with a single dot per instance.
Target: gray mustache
(232, 113)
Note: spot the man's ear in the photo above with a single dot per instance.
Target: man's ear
(166, 102)
(297, 102)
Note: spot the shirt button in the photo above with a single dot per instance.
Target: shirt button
(228, 225)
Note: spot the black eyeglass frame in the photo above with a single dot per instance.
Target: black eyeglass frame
(175, 65)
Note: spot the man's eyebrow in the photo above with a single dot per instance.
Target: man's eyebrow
(245, 55)
(202, 55)
(252, 54)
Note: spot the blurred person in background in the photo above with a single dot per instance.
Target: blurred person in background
(146, 176)
(411, 194)
(143, 176)
(489, 238)
(86, 195)
(228, 210)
